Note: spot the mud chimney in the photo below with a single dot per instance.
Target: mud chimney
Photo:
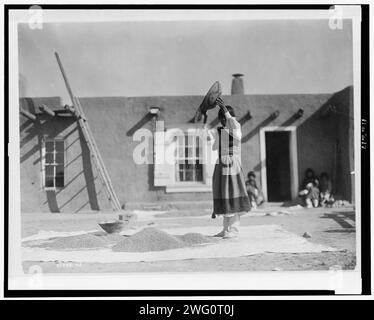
(237, 86)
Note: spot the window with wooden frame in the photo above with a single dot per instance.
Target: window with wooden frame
(189, 158)
(53, 159)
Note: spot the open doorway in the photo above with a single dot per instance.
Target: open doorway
(279, 176)
(278, 165)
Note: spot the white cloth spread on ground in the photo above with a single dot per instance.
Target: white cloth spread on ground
(253, 240)
(44, 235)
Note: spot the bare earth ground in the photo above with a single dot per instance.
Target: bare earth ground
(331, 227)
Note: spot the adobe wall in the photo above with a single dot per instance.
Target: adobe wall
(82, 191)
(114, 120)
(119, 118)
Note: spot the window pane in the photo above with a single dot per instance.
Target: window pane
(189, 175)
(59, 182)
(186, 151)
(49, 171)
(189, 167)
(197, 146)
(181, 178)
(199, 172)
(180, 140)
(192, 161)
(60, 146)
(49, 181)
(49, 158)
(181, 152)
(190, 153)
(59, 170)
(49, 146)
(180, 172)
(60, 158)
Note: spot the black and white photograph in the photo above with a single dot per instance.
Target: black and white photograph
(185, 149)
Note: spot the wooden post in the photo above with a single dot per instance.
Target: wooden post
(46, 110)
(27, 114)
(71, 110)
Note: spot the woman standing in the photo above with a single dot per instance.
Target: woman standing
(230, 198)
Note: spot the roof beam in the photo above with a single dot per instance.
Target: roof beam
(47, 110)
(27, 114)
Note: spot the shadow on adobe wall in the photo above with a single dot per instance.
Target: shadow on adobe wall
(148, 117)
(89, 178)
(39, 128)
(52, 201)
(323, 143)
(151, 186)
(88, 172)
(256, 129)
(47, 126)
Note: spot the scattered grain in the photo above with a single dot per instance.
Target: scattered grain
(194, 238)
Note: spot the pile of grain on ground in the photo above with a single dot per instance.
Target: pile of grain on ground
(149, 239)
(84, 241)
(110, 238)
(194, 238)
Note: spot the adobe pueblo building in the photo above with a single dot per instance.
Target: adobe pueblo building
(283, 135)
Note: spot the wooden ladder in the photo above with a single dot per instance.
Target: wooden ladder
(95, 154)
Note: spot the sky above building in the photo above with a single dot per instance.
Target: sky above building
(185, 58)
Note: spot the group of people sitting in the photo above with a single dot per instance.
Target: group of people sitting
(316, 191)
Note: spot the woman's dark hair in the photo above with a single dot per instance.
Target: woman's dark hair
(309, 170)
(324, 175)
(251, 174)
(221, 114)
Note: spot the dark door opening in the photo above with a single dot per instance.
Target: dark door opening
(278, 170)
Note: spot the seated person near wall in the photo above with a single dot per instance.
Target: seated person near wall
(309, 177)
(325, 196)
(253, 191)
(311, 195)
(310, 189)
